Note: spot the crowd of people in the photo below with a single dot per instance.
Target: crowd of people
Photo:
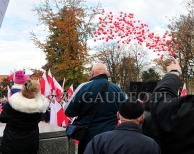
(157, 124)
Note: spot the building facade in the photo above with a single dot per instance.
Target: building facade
(2, 77)
(3, 7)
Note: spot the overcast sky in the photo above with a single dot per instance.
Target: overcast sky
(17, 51)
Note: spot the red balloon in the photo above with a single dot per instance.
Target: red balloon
(127, 28)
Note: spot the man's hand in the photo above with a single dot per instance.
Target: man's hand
(174, 66)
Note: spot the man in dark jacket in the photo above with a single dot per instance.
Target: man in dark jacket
(127, 137)
(173, 116)
(86, 94)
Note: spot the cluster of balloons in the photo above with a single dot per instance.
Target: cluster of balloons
(125, 29)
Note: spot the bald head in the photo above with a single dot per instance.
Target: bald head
(99, 68)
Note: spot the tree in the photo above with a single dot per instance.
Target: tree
(36, 74)
(70, 25)
(127, 72)
(125, 64)
(140, 56)
(162, 63)
(4, 83)
(111, 56)
(182, 28)
(150, 75)
(119, 62)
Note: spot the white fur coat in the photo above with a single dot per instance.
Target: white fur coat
(34, 105)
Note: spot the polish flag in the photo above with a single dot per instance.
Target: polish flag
(184, 90)
(63, 84)
(70, 92)
(76, 142)
(57, 114)
(10, 77)
(58, 88)
(1, 108)
(53, 115)
(62, 117)
(45, 87)
(8, 92)
(50, 80)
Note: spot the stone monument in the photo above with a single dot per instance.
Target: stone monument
(52, 139)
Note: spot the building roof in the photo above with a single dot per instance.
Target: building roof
(2, 77)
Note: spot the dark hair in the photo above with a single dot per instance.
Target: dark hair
(146, 101)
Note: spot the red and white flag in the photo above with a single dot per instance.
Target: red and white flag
(63, 84)
(50, 80)
(57, 114)
(53, 114)
(1, 108)
(11, 76)
(8, 92)
(70, 92)
(184, 90)
(45, 87)
(58, 88)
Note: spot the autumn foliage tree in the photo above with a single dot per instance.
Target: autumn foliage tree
(162, 63)
(4, 83)
(36, 74)
(125, 64)
(141, 58)
(70, 25)
(111, 56)
(182, 28)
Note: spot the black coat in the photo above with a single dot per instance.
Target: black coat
(21, 133)
(127, 138)
(173, 117)
(149, 129)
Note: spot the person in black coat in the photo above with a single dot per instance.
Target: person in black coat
(22, 115)
(127, 138)
(173, 116)
(86, 94)
(148, 125)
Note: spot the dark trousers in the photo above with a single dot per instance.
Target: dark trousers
(81, 147)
